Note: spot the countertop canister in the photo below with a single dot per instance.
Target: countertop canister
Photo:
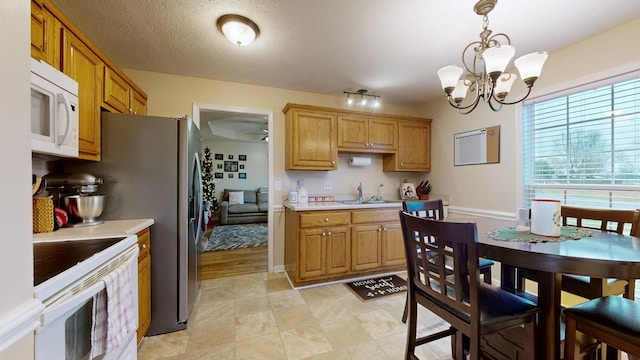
(545, 217)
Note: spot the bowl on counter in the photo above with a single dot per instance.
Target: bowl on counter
(84, 209)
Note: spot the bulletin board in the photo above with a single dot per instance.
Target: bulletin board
(481, 146)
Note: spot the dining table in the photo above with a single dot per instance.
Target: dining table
(598, 254)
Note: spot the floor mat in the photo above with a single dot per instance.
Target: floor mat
(378, 287)
(237, 236)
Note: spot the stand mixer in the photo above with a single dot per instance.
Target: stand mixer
(76, 193)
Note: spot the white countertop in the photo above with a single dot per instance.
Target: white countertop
(336, 205)
(110, 228)
(339, 205)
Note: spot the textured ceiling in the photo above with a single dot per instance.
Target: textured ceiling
(391, 47)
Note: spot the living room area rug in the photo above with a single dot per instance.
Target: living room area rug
(376, 288)
(237, 236)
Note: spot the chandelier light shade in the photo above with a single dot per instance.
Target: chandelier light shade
(362, 98)
(485, 76)
(238, 29)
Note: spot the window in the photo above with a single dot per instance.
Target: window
(582, 147)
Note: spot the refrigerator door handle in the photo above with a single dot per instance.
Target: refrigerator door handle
(198, 202)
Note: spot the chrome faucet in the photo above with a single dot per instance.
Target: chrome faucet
(360, 192)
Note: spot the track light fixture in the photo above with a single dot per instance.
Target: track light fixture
(363, 98)
(490, 82)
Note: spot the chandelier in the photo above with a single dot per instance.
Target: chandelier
(491, 83)
(362, 98)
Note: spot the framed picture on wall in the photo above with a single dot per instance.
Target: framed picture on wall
(241, 166)
(230, 157)
(242, 175)
(219, 175)
(219, 166)
(230, 175)
(242, 157)
(231, 166)
(219, 157)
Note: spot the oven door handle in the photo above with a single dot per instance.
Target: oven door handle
(65, 305)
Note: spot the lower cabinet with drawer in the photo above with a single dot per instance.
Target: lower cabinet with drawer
(144, 282)
(326, 245)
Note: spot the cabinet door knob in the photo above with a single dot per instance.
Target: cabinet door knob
(329, 233)
(401, 164)
(371, 145)
(379, 229)
(324, 234)
(326, 219)
(333, 162)
(144, 246)
(384, 228)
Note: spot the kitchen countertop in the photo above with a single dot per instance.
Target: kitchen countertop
(111, 228)
(339, 205)
(336, 205)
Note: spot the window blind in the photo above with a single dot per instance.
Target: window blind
(582, 147)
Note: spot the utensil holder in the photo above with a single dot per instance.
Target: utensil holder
(43, 214)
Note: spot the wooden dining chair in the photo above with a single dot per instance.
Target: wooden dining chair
(602, 220)
(471, 307)
(612, 320)
(434, 209)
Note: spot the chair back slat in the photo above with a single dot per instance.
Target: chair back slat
(444, 274)
(430, 209)
(613, 220)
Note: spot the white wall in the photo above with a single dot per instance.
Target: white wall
(497, 187)
(256, 166)
(16, 254)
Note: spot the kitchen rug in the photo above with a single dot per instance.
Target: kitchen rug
(377, 287)
(237, 236)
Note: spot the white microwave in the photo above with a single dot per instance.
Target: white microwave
(54, 111)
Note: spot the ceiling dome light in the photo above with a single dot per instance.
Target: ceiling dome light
(238, 29)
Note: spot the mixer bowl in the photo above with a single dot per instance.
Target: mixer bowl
(85, 208)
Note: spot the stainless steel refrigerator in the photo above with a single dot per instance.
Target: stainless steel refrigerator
(151, 169)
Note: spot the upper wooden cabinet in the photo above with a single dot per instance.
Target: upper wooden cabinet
(315, 135)
(363, 134)
(101, 85)
(45, 35)
(85, 67)
(414, 147)
(120, 96)
(310, 139)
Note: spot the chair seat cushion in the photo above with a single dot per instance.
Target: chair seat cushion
(617, 315)
(497, 303)
(584, 279)
(485, 262)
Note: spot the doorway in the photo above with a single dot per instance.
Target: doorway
(239, 124)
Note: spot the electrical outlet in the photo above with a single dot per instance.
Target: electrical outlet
(328, 185)
(278, 185)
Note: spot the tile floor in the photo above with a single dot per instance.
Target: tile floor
(259, 316)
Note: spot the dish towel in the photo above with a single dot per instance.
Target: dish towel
(113, 314)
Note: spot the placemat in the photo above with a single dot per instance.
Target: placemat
(566, 233)
(378, 287)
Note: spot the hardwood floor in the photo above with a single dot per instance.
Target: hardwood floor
(224, 263)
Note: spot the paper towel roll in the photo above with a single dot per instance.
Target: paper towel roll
(545, 217)
(360, 161)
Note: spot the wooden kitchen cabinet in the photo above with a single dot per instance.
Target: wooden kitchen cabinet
(144, 283)
(414, 147)
(324, 251)
(85, 67)
(363, 134)
(325, 245)
(377, 239)
(55, 40)
(45, 34)
(119, 96)
(310, 139)
(315, 135)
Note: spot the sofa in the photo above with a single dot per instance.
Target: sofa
(244, 206)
